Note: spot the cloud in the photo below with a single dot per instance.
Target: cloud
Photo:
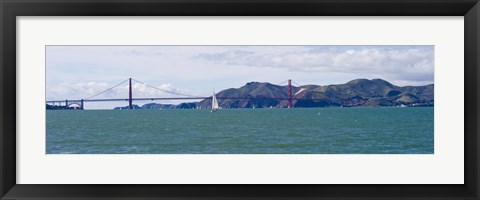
(225, 56)
(92, 89)
(414, 63)
(136, 52)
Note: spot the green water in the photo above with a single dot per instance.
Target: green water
(242, 131)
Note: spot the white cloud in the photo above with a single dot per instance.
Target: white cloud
(400, 63)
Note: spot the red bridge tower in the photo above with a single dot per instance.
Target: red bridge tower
(130, 93)
(289, 93)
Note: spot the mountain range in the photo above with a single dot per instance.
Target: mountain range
(358, 92)
(355, 93)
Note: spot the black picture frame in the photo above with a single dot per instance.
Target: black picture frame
(10, 9)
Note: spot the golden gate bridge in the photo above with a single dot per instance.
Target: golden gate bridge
(81, 102)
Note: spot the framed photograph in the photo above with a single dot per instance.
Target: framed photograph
(246, 100)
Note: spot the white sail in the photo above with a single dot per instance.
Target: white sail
(214, 103)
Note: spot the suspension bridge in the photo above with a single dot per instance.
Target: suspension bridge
(79, 103)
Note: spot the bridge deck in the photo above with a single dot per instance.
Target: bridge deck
(176, 98)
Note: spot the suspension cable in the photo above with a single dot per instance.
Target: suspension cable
(107, 89)
(282, 83)
(296, 83)
(163, 89)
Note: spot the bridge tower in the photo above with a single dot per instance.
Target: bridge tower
(130, 93)
(289, 93)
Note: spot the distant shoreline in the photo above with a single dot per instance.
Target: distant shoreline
(338, 107)
(355, 93)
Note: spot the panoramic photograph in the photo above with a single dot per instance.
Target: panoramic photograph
(359, 99)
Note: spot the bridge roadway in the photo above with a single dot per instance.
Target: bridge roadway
(177, 98)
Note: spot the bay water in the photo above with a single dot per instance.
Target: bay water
(385, 130)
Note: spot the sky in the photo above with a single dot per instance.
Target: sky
(78, 72)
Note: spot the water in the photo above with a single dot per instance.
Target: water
(242, 131)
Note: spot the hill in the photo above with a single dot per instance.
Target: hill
(358, 92)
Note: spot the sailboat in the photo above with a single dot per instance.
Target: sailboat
(214, 103)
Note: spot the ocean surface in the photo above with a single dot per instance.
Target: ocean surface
(385, 130)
